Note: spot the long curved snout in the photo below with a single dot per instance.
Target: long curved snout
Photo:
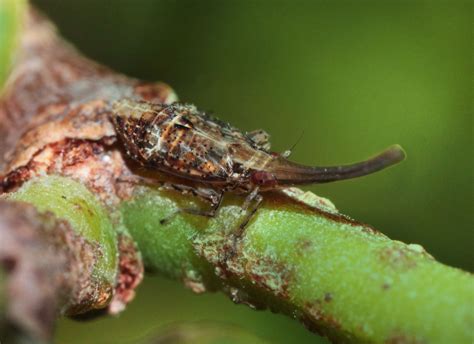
(290, 173)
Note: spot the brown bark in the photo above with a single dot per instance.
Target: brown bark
(53, 120)
(48, 269)
(53, 85)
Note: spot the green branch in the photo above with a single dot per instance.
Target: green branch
(73, 202)
(340, 278)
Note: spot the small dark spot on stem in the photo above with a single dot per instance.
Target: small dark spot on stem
(304, 244)
(398, 257)
(8, 264)
(78, 206)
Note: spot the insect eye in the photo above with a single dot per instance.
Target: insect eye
(262, 178)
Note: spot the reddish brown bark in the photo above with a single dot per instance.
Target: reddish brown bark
(53, 86)
(53, 120)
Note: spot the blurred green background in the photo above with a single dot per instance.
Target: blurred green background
(355, 76)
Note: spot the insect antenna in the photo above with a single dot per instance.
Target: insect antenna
(288, 152)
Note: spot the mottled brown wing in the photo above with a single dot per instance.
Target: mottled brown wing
(179, 139)
(207, 147)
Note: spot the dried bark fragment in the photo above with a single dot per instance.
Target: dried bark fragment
(130, 274)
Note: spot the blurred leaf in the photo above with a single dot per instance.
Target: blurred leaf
(200, 333)
(10, 22)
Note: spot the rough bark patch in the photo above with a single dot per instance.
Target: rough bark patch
(48, 269)
(130, 274)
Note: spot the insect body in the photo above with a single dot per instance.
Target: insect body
(180, 140)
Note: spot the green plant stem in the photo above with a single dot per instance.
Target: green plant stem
(72, 201)
(342, 279)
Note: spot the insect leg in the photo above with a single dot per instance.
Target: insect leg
(257, 202)
(238, 233)
(207, 194)
(257, 199)
(210, 195)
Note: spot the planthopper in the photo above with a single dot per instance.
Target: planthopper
(214, 157)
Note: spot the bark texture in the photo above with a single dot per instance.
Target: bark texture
(52, 121)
